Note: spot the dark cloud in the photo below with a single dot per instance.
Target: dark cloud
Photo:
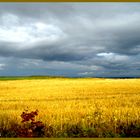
(71, 39)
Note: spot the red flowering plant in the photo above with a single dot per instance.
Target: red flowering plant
(31, 127)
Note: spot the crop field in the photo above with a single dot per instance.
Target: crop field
(73, 107)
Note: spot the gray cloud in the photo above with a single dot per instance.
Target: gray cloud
(71, 39)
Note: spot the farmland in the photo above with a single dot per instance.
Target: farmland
(73, 107)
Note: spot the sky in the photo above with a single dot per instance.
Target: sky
(70, 39)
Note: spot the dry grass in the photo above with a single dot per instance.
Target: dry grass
(63, 103)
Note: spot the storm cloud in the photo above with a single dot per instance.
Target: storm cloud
(70, 39)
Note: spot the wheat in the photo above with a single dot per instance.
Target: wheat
(64, 102)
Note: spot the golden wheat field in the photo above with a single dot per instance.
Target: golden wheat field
(105, 104)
